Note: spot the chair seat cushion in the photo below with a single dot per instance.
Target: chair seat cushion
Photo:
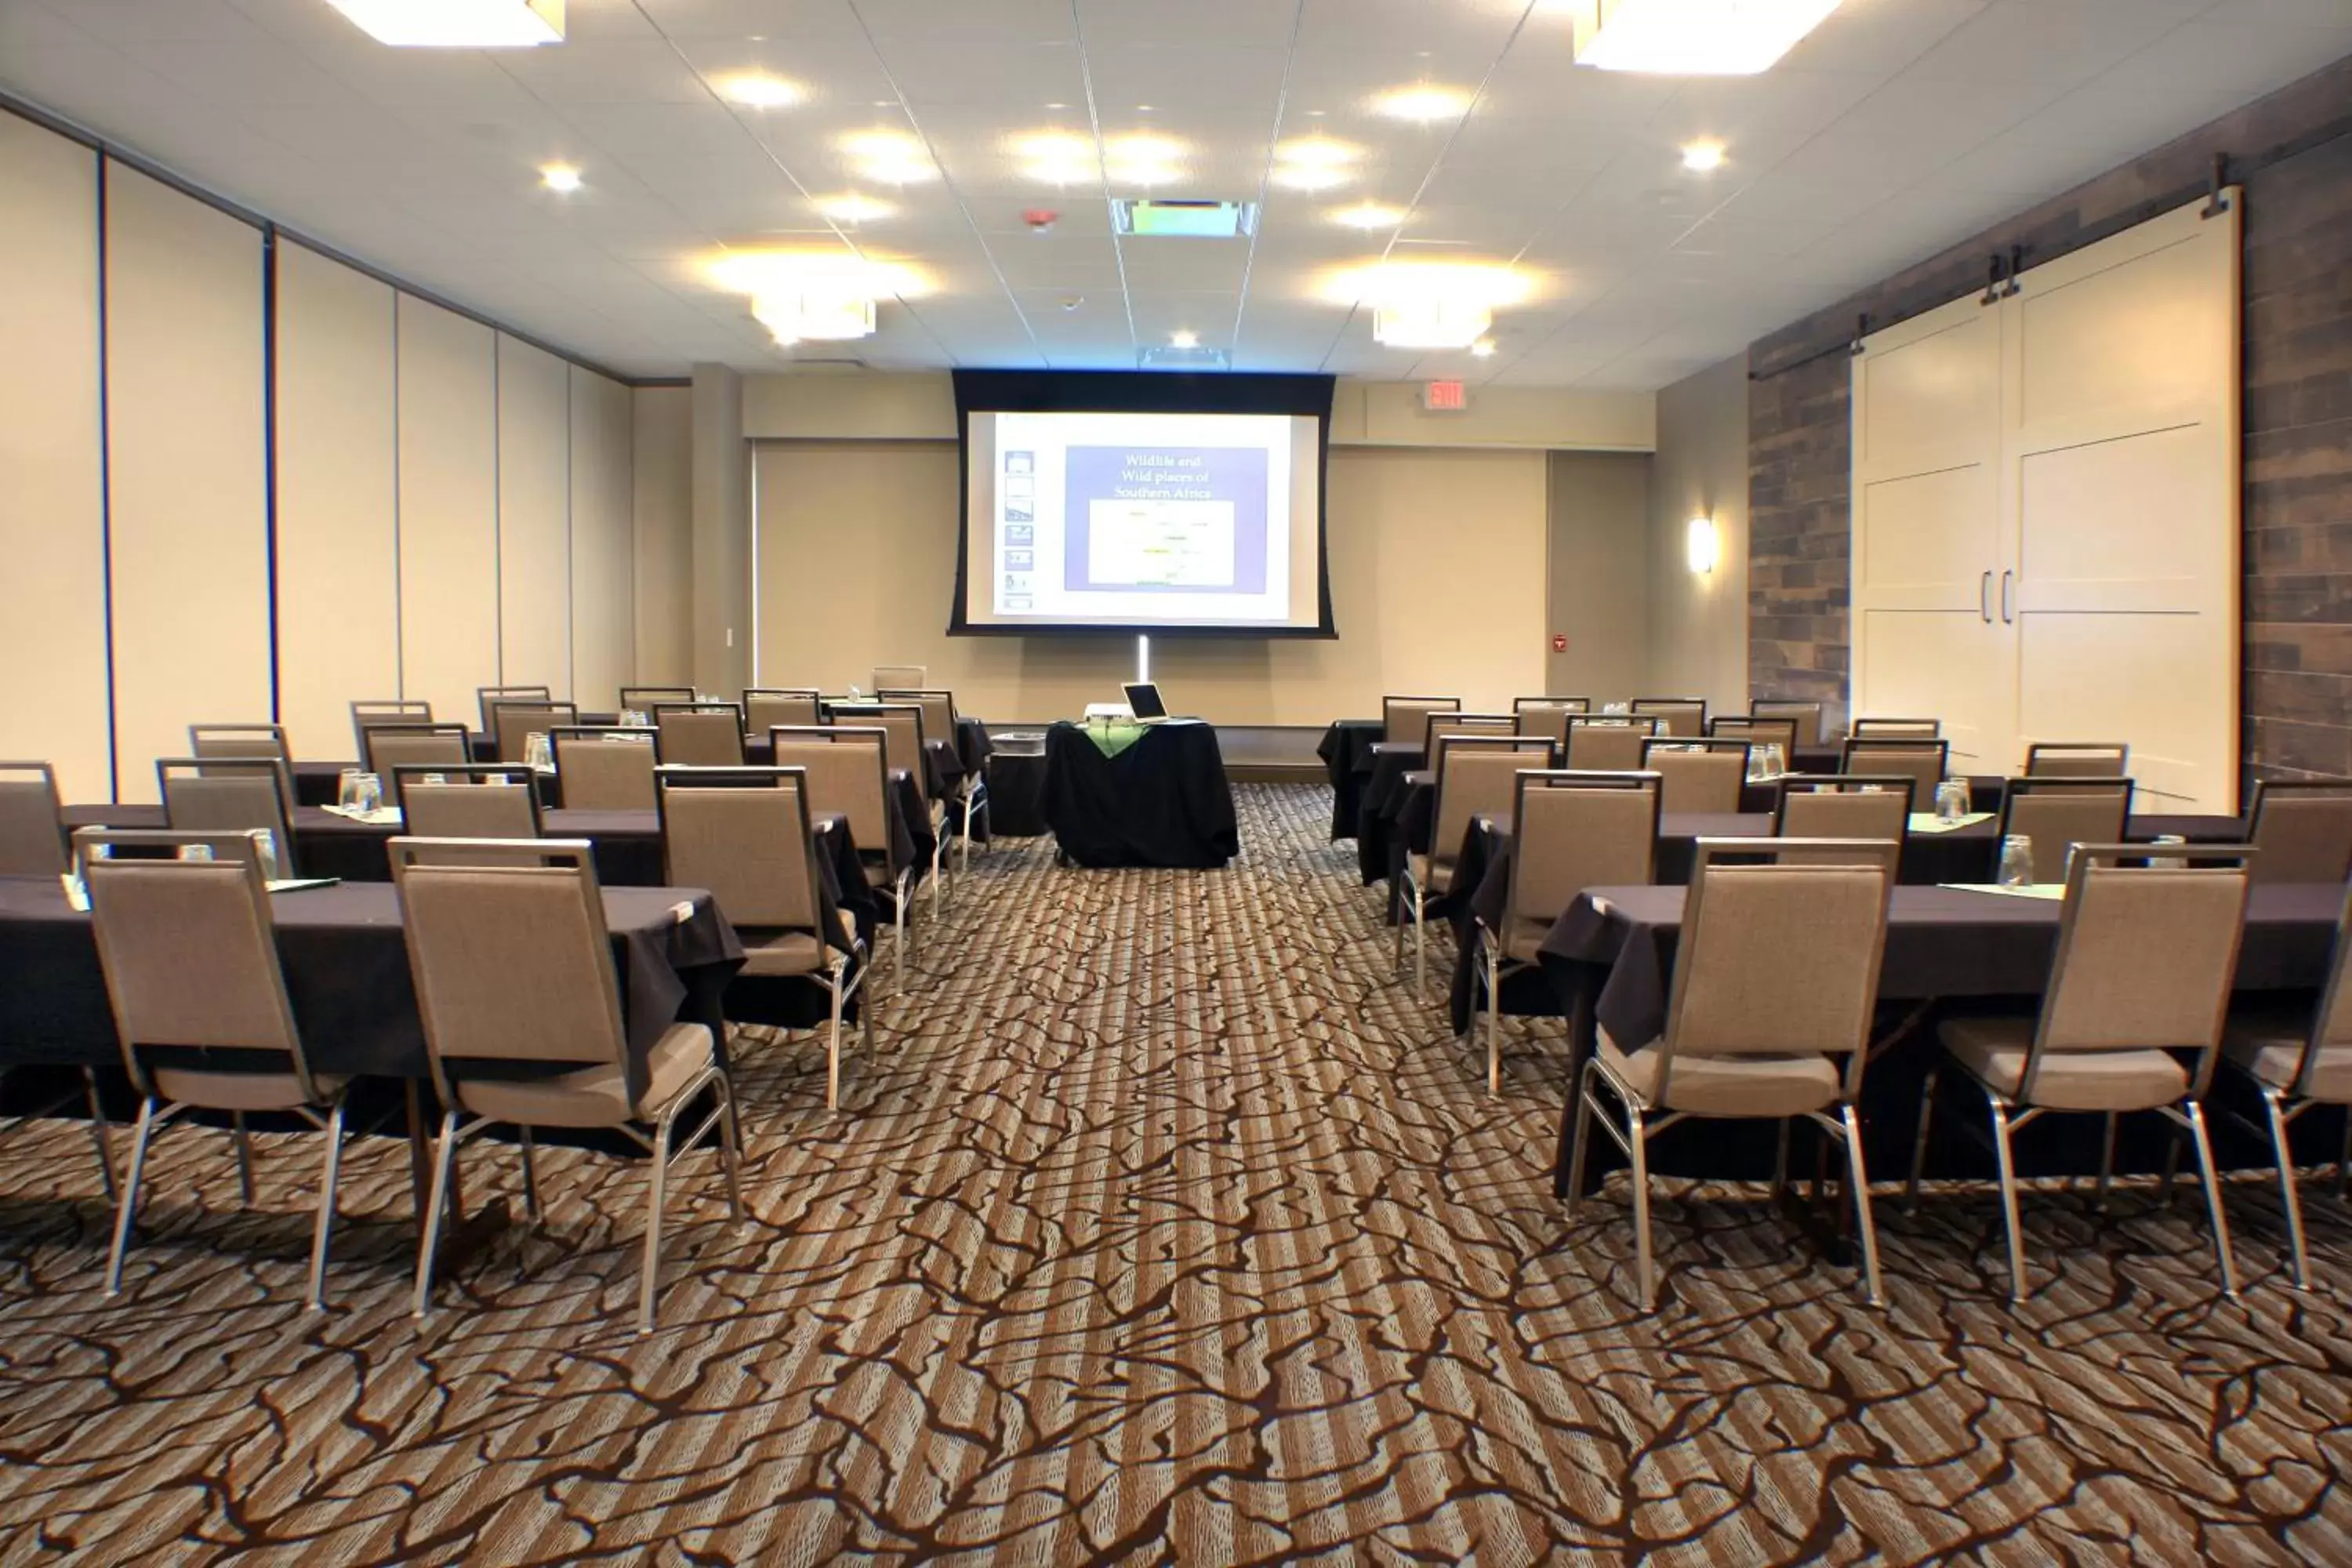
(1995, 1050)
(1726, 1085)
(242, 1090)
(596, 1095)
(778, 953)
(2269, 1045)
(1433, 876)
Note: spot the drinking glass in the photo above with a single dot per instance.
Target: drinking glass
(1951, 800)
(368, 795)
(347, 790)
(635, 718)
(1776, 761)
(264, 843)
(2017, 861)
(537, 754)
(1960, 783)
(195, 852)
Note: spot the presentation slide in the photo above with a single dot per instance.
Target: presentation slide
(1143, 519)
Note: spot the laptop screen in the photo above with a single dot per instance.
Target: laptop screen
(1143, 701)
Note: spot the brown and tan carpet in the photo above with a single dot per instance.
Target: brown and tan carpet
(1163, 1227)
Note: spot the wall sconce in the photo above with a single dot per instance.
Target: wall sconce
(1699, 545)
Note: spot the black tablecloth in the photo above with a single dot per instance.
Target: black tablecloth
(1163, 800)
(1346, 750)
(1016, 794)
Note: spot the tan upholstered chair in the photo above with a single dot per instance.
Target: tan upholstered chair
(848, 775)
(513, 723)
(32, 821)
(513, 969)
(700, 734)
(1758, 731)
(2304, 831)
(1476, 776)
(1547, 717)
(1610, 745)
(486, 697)
(2297, 1059)
(1684, 718)
(765, 706)
(2089, 759)
(1897, 729)
(1774, 984)
(385, 747)
(2147, 947)
(1404, 721)
(604, 768)
(191, 960)
(1921, 759)
(970, 793)
(900, 677)
(267, 741)
(645, 699)
(1569, 831)
(1697, 776)
(368, 712)
(1838, 806)
(1444, 727)
(2057, 813)
(238, 795)
(1809, 717)
(745, 834)
(905, 740)
(495, 800)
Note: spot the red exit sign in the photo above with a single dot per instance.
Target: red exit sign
(1444, 396)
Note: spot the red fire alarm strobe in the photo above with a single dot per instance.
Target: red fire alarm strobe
(1560, 642)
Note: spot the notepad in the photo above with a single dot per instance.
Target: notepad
(2054, 892)
(302, 884)
(1929, 822)
(382, 816)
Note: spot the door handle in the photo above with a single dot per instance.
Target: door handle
(2008, 599)
(1984, 598)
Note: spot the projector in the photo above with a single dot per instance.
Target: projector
(1115, 712)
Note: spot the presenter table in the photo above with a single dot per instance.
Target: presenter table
(1161, 800)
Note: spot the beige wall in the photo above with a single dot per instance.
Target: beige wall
(722, 532)
(1598, 583)
(1437, 581)
(1698, 624)
(604, 571)
(448, 508)
(534, 525)
(664, 533)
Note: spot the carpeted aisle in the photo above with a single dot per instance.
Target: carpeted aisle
(1164, 1227)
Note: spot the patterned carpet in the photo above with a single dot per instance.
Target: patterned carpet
(1163, 1227)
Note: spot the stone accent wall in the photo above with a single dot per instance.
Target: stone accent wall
(2292, 154)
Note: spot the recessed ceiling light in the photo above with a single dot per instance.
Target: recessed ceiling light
(1483, 349)
(559, 177)
(1305, 177)
(758, 89)
(1058, 157)
(1428, 304)
(1143, 108)
(853, 206)
(1057, 106)
(1183, 340)
(1143, 158)
(1316, 152)
(457, 24)
(1368, 215)
(1425, 103)
(1695, 38)
(1700, 157)
(892, 157)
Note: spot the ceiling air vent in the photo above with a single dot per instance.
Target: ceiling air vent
(1149, 219)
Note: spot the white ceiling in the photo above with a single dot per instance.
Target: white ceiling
(1898, 128)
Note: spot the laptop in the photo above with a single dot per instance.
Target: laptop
(1143, 702)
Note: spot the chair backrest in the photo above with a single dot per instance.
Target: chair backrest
(1404, 721)
(1921, 759)
(645, 699)
(2056, 812)
(1477, 776)
(2304, 831)
(1755, 731)
(1697, 776)
(190, 956)
(32, 821)
(368, 712)
(1777, 958)
(743, 832)
(384, 747)
(2073, 760)
(604, 768)
(230, 795)
(491, 801)
(939, 711)
(765, 706)
(846, 773)
(1841, 806)
(1808, 715)
(2147, 947)
(1897, 729)
(1548, 716)
(513, 724)
(489, 697)
(2331, 1022)
(1444, 727)
(1682, 717)
(901, 724)
(238, 741)
(901, 677)
(511, 963)
(700, 734)
(1608, 745)
(1571, 831)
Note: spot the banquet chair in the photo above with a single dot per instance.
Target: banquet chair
(900, 677)
(515, 720)
(1697, 776)
(970, 793)
(1404, 721)
(1843, 808)
(905, 750)
(369, 712)
(1548, 716)
(1444, 727)
(2148, 946)
(1921, 759)
(848, 775)
(236, 795)
(1757, 731)
(486, 697)
(2084, 759)
(1897, 729)
(2296, 1059)
(239, 740)
(1809, 716)
(603, 768)
(765, 706)
(493, 800)
(699, 734)
(1608, 745)
(190, 956)
(745, 834)
(1684, 718)
(2304, 831)
(2056, 814)
(32, 821)
(385, 747)
(1569, 831)
(1774, 981)
(645, 699)
(516, 985)
(1473, 778)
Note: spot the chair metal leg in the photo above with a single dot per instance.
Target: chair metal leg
(1860, 1178)
(445, 1150)
(1999, 1110)
(1919, 1144)
(244, 1157)
(2171, 1167)
(1645, 1272)
(1419, 946)
(2287, 1198)
(326, 1222)
(1780, 1157)
(653, 1227)
(833, 1045)
(99, 1130)
(866, 1008)
(1493, 1016)
(1577, 1154)
(2107, 1160)
(2213, 1199)
(1398, 901)
(729, 1160)
(127, 1207)
(530, 1176)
